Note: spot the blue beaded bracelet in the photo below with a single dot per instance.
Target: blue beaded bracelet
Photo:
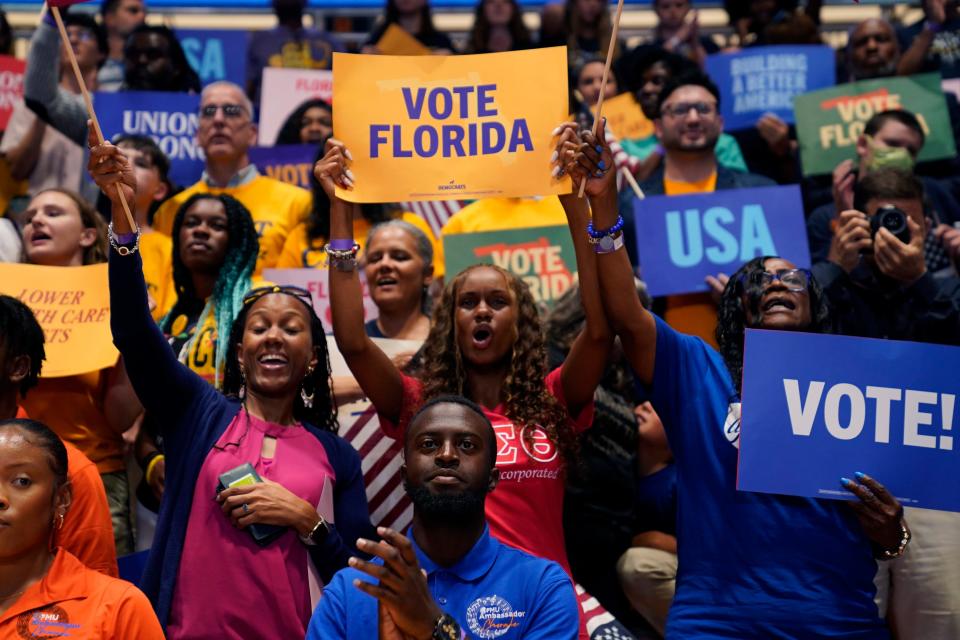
(599, 233)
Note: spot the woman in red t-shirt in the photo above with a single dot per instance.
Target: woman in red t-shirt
(485, 343)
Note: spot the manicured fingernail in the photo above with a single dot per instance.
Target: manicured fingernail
(352, 562)
(349, 174)
(554, 156)
(347, 181)
(556, 131)
(381, 531)
(362, 541)
(859, 475)
(846, 482)
(347, 153)
(555, 172)
(598, 149)
(602, 165)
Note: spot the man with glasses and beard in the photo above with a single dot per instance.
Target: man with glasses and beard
(688, 124)
(449, 576)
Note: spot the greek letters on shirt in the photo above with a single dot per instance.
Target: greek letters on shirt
(50, 622)
(539, 459)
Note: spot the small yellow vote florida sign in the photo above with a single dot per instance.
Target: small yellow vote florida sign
(72, 305)
(450, 127)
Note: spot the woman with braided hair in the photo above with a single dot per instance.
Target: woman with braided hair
(256, 476)
(487, 344)
(214, 251)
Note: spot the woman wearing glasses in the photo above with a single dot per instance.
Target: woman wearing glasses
(245, 561)
(771, 566)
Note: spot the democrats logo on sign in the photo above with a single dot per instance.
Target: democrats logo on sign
(492, 616)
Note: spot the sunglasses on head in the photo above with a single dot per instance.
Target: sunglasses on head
(298, 292)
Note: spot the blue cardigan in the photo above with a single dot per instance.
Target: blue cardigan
(193, 415)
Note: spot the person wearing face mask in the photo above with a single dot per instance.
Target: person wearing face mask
(310, 123)
(289, 45)
(772, 566)
(891, 139)
(276, 414)
(879, 286)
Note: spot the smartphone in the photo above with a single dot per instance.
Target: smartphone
(245, 474)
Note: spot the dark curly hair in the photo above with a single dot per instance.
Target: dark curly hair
(290, 131)
(233, 279)
(732, 317)
(323, 413)
(21, 335)
(524, 391)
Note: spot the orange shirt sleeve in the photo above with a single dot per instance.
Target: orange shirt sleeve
(132, 616)
(87, 529)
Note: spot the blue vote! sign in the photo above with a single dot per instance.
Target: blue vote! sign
(292, 163)
(762, 80)
(171, 119)
(820, 407)
(216, 54)
(683, 239)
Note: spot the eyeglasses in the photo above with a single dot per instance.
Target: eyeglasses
(81, 34)
(792, 279)
(229, 110)
(682, 109)
(298, 292)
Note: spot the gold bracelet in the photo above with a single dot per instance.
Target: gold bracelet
(152, 466)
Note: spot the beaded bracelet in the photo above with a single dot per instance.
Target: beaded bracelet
(342, 259)
(599, 233)
(118, 242)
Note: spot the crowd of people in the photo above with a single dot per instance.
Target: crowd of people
(558, 460)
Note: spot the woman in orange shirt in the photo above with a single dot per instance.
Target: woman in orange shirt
(90, 410)
(46, 592)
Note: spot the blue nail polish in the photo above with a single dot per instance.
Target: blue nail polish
(846, 482)
(599, 149)
(858, 475)
(602, 165)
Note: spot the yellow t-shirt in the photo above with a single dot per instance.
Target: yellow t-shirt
(73, 407)
(693, 313)
(298, 254)
(156, 251)
(276, 208)
(497, 214)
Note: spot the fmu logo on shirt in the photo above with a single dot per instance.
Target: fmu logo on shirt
(492, 617)
(51, 622)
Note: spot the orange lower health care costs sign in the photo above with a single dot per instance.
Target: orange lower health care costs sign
(72, 305)
(450, 127)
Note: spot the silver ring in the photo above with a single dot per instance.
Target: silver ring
(245, 507)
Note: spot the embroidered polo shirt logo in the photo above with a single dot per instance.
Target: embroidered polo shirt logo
(50, 622)
(492, 617)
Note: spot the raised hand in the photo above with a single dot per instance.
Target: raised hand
(402, 589)
(108, 166)
(902, 262)
(332, 170)
(585, 157)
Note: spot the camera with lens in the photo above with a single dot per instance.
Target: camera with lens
(893, 219)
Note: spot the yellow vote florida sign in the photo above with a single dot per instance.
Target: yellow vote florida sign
(450, 127)
(72, 304)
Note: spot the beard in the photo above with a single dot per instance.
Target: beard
(448, 507)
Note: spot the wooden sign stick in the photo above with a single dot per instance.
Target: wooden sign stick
(603, 80)
(86, 99)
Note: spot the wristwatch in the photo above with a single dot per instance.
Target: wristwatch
(318, 534)
(446, 628)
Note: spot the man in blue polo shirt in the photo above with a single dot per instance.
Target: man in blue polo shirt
(450, 579)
